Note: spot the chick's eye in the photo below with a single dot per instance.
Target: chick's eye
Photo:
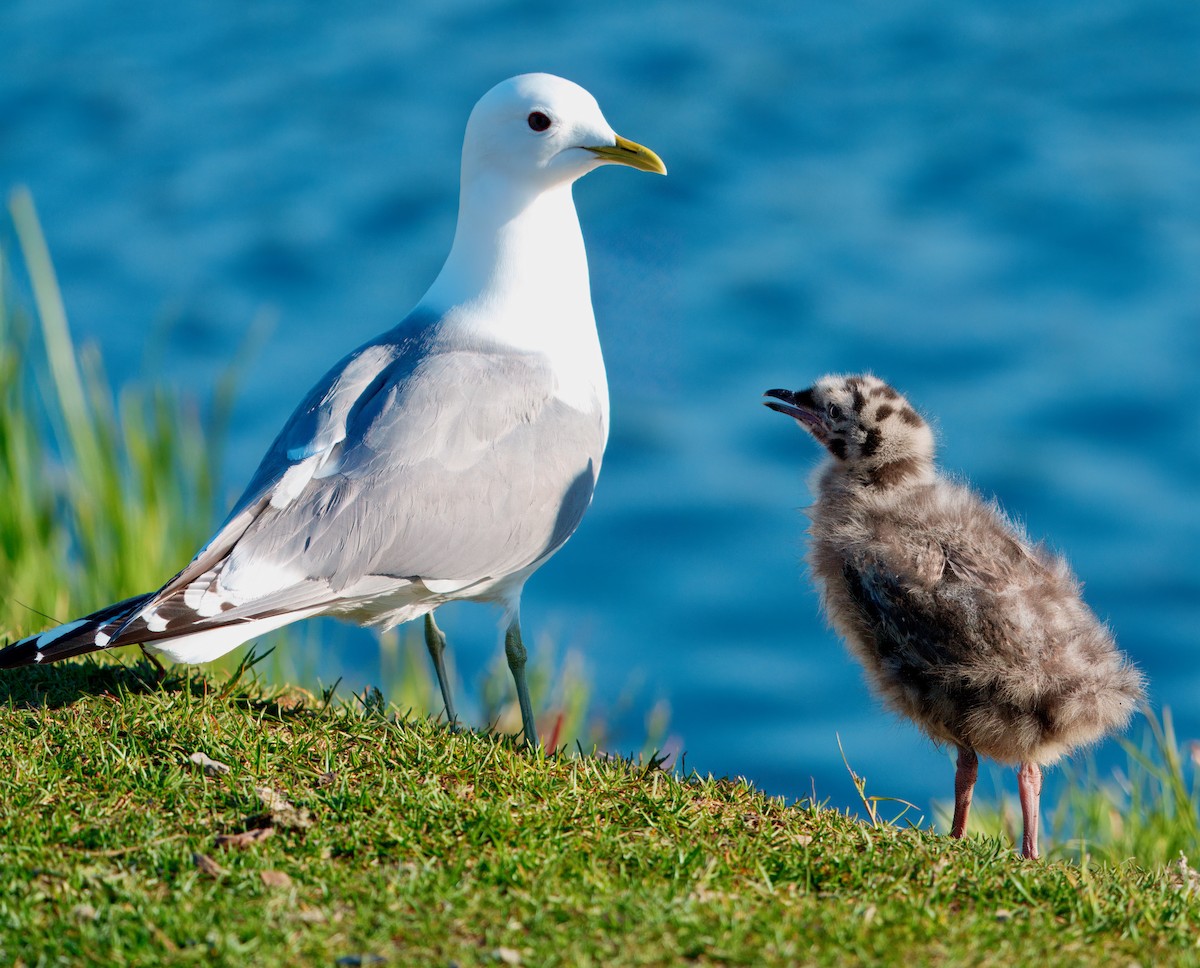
(538, 121)
(834, 411)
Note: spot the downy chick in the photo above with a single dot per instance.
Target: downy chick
(977, 635)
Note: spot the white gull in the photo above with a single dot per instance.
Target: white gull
(446, 459)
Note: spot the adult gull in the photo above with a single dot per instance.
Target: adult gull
(446, 459)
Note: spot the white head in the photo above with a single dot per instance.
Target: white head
(870, 430)
(542, 130)
(518, 265)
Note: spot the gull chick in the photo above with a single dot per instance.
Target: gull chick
(447, 458)
(978, 636)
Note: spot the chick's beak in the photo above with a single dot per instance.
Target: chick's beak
(794, 403)
(801, 406)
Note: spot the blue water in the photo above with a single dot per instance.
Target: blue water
(997, 209)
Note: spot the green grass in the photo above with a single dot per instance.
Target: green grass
(425, 846)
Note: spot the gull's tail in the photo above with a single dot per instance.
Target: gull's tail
(88, 634)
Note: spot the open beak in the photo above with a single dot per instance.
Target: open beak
(801, 407)
(626, 152)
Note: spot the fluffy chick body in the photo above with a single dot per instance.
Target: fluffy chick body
(964, 626)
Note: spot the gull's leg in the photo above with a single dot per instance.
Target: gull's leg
(1029, 784)
(514, 651)
(160, 672)
(964, 786)
(435, 641)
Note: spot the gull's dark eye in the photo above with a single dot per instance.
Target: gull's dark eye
(538, 121)
(834, 411)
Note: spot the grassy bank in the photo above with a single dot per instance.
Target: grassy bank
(402, 841)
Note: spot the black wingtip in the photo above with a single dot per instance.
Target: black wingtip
(29, 651)
(21, 653)
(74, 638)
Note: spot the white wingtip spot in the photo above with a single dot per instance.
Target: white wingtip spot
(38, 657)
(102, 639)
(194, 594)
(210, 605)
(154, 621)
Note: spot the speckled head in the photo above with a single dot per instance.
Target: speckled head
(866, 425)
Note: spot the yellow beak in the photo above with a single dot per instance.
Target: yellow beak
(626, 152)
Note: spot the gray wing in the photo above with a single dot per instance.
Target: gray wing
(410, 460)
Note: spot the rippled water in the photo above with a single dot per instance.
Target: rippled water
(997, 210)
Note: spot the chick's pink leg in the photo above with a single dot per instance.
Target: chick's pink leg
(964, 785)
(1029, 784)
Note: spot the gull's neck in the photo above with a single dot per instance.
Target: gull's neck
(517, 271)
(517, 275)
